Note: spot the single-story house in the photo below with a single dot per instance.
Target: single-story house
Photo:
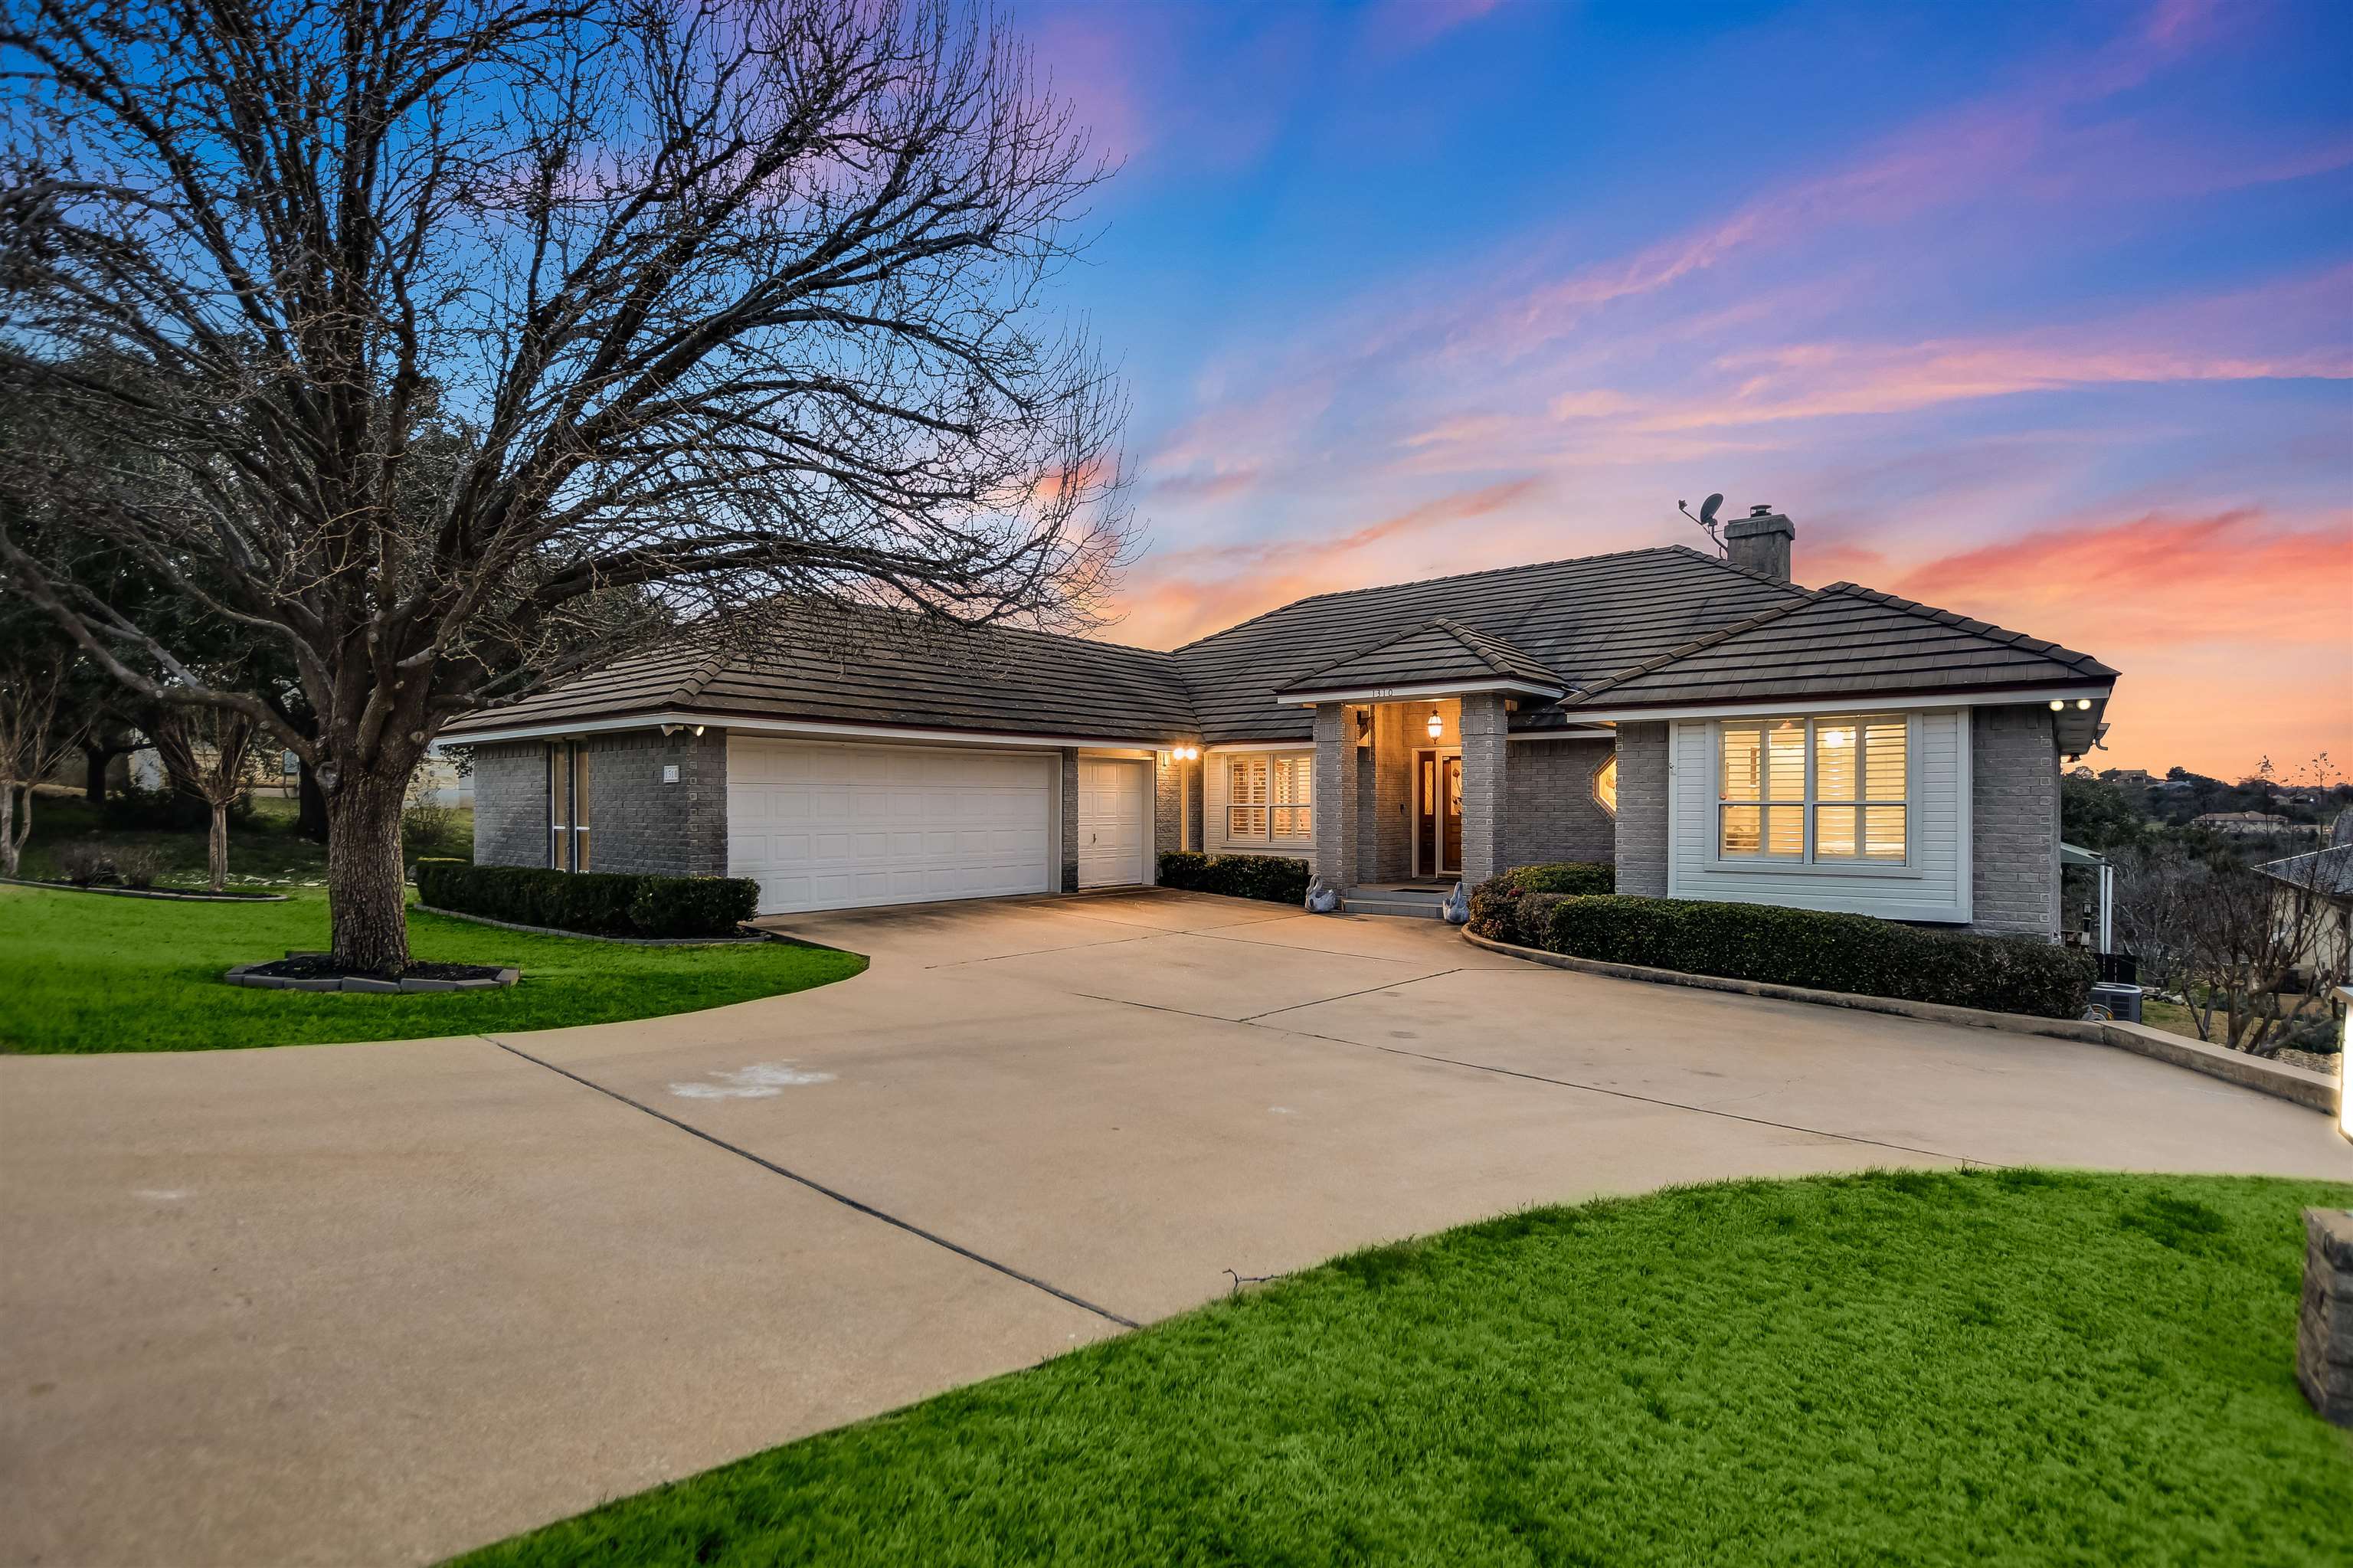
(1714, 729)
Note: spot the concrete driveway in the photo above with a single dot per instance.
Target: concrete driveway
(382, 1302)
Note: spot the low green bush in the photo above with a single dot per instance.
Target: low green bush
(1807, 948)
(1276, 879)
(1515, 905)
(599, 904)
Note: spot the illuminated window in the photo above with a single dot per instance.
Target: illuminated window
(1271, 797)
(1605, 785)
(1825, 790)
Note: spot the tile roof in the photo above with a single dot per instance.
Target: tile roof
(1579, 620)
(1842, 641)
(2327, 871)
(1665, 626)
(881, 668)
(1442, 649)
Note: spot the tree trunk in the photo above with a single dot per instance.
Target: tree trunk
(365, 898)
(9, 842)
(310, 814)
(216, 845)
(93, 778)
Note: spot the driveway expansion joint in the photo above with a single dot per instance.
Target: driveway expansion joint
(844, 1199)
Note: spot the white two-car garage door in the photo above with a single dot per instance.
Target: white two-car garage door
(826, 825)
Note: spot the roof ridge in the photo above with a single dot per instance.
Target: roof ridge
(704, 674)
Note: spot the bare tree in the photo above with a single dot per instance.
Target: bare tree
(455, 345)
(210, 750)
(2267, 948)
(36, 733)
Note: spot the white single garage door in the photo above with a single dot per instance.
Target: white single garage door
(1114, 822)
(826, 825)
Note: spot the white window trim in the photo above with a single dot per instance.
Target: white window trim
(1805, 864)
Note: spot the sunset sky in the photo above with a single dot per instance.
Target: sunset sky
(2042, 314)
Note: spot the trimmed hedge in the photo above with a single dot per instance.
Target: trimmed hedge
(1774, 946)
(1277, 879)
(1515, 905)
(596, 903)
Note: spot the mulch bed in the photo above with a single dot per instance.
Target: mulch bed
(319, 971)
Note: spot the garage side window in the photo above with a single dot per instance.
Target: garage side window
(568, 807)
(1271, 799)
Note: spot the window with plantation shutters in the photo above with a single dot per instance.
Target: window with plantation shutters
(1271, 797)
(1827, 791)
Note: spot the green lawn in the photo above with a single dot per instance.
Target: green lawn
(85, 972)
(2013, 1367)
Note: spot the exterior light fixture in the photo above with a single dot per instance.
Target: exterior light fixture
(698, 729)
(2083, 704)
(2057, 707)
(1436, 726)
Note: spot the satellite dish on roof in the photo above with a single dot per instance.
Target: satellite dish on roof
(1706, 519)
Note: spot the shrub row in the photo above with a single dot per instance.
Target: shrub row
(1277, 879)
(1515, 906)
(1766, 943)
(600, 903)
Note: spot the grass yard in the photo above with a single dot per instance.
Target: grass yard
(2012, 1367)
(90, 973)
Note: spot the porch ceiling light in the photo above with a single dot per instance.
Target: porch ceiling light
(1436, 726)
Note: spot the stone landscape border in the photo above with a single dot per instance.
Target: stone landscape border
(148, 892)
(240, 976)
(2314, 1091)
(593, 937)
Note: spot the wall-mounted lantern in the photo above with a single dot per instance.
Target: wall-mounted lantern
(1436, 725)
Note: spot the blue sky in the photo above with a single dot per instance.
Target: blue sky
(2041, 313)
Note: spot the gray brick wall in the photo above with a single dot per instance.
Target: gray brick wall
(1336, 793)
(1549, 810)
(1643, 808)
(1070, 818)
(2013, 821)
(1486, 798)
(510, 804)
(637, 823)
(1168, 780)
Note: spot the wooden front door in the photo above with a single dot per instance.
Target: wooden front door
(1437, 812)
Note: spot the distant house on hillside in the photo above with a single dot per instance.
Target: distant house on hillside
(2129, 777)
(2248, 824)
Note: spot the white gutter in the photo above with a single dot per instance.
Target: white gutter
(555, 728)
(1861, 701)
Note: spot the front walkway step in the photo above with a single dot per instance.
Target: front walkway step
(1409, 902)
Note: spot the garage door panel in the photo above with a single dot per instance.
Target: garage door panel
(827, 826)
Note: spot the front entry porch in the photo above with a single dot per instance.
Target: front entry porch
(1417, 794)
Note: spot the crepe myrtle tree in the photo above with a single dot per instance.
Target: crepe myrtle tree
(455, 345)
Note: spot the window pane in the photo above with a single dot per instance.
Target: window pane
(1834, 832)
(1834, 761)
(1743, 766)
(1785, 762)
(1785, 831)
(1882, 753)
(1883, 831)
(1246, 821)
(559, 807)
(1291, 821)
(1742, 831)
(1605, 785)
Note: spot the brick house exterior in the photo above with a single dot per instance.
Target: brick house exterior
(1617, 708)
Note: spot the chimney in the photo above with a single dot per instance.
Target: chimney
(1760, 542)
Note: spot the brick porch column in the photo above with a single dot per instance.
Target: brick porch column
(1486, 758)
(1337, 767)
